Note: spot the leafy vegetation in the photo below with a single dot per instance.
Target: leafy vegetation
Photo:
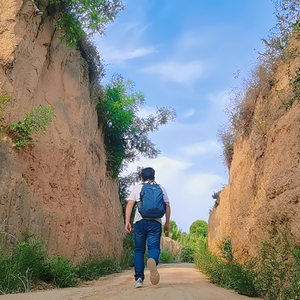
(199, 229)
(97, 268)
(36, 119)
(166, 257)
(71, 29)
(187, 253)
(126, 133)
(78, 18)
(216, 197)
(128, 252)
(29, 264)
(231, 276)
(274, 275)
(96, 68)
(226, 249)
(5, 98)
(296, 88)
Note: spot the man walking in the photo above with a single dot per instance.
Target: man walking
(146, 228)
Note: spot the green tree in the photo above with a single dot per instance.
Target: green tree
(78, 18)
(199, 228)
(175, 233)
(126, 133)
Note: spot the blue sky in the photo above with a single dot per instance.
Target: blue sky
(184, 55)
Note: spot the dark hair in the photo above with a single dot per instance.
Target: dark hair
(148, 174)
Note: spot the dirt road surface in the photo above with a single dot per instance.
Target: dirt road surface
(178, 282)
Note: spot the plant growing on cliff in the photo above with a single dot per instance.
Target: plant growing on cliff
(71, 29)
(216, 197)
(5, 98)
(78, 17)
(36, 119)
(226, 249)
(126, 133)
(295, 89)
(241, 108)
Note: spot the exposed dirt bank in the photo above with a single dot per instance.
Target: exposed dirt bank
(59, 189)
(178, 281)
(262, 197)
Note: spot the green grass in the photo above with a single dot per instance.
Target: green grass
(275, 275)
(97, 268)
(227, 275)
(29, 264)
(166, 257)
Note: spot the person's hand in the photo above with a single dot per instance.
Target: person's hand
(166, 229)
(128, 227)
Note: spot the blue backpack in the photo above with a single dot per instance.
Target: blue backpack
(152, 204)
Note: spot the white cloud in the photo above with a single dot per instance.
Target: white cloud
(200, 148)
(189, 113)
(117, 57)
(178, 71)
(220, 98)
(165, 167)
(189, 192)
(192, 41)
(201, 183)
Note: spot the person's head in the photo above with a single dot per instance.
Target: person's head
(148, 174)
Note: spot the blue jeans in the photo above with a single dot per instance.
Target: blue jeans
(150, 231)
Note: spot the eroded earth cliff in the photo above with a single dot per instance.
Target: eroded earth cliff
(261, 200)
(59, 189)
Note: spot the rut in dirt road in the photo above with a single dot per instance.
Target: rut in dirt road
(178, 282)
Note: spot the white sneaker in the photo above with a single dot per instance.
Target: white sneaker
(139, 283)
(154, 275)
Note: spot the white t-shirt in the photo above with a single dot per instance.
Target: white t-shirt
(135, 196)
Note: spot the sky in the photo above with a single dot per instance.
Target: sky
(184, 54)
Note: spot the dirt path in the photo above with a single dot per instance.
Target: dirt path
(178, 282)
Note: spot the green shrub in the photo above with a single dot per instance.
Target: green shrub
(31, 257)
(296, 89)
(226, 250)
(97, 268)
(30, 264)
(231, 275)
(61, 272)
(5, 98)
(187, 253)
(36, 119)
(9, 282)
(166, 257)
(26, 266)
(128, 252)
(278, 269)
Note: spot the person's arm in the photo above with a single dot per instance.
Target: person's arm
(168, 214)
(128, 212)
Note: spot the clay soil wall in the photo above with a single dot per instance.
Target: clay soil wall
(59, 189)
(261, 200)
